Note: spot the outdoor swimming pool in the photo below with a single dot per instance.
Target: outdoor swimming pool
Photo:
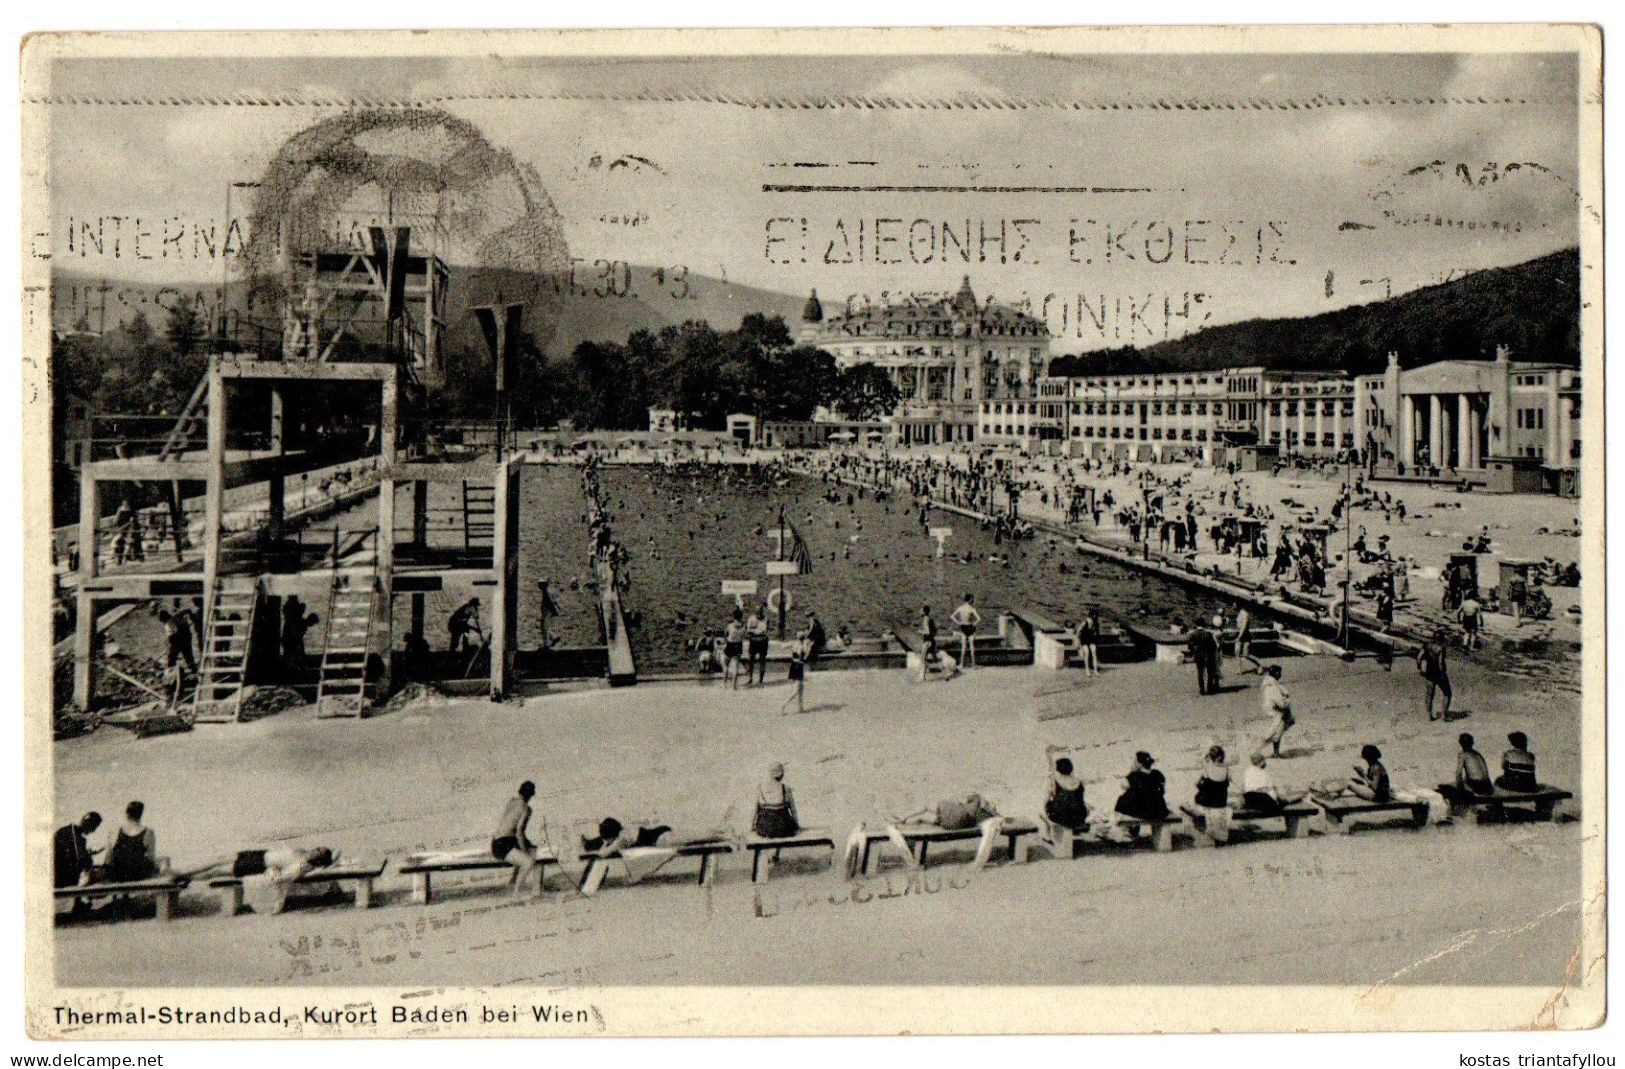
(873, 566)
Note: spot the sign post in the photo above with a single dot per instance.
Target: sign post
(739, 589)
(941, 534)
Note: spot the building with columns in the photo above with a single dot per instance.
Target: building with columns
(1458, 415)
(1308, 416)
(947, 355)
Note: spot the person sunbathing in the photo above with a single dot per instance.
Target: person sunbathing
(1213, 796)
(1259, 792)
(775, 807)
(1518, 766)
(1472, 772)
(950, 815)
(1370, 781)
(511, 841)
(1144, 792)
(269, 874)
(133, 855)
(614, 837)
(1065, 805)
(1372, 784)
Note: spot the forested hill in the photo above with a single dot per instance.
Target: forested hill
(1533, 308)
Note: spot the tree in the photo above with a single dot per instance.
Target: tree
(184, 329)
(795, 382)
(866, 392)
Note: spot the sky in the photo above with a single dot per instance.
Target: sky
(1126, 198)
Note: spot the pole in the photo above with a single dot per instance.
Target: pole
(781, 575)
(225, 238)
(1348, 527)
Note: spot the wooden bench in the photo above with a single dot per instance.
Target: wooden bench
(1544, 799)
(592, 877)
(165, 891)
(1339, 810)
(362, 874)
(1065, 840)
(805, 839)
(422, 868)
(920, 837)
(1294, 815)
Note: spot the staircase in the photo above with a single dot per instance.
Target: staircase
(347, 645)
(479, 517)
(222, 673)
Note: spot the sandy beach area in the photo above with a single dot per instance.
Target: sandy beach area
(1458, 904)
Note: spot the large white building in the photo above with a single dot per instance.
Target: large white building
(947, 355)
(1161, 414)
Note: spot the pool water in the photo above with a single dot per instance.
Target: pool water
(873, 565)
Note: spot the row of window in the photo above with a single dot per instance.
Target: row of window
(1157, 408)
(1531, 419)
(1328, 440)
(1035, 352)
(1145, 434)
(1327, 408)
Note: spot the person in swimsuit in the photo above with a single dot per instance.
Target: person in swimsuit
(1434, 667)
(1144, 792)
(1472, 771)
(966, 618)
(510, 842)
(1065, 805)
(268, 875)
(1213, 796)
(1088, 635)
(614, 837)
(799, 654)
(1244, 639)
(733, 648)
(133, 855)
(1518, 766)
(775, 807)
(1370, 781)
(756, 647)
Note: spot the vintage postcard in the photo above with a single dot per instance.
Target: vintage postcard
(785, 532)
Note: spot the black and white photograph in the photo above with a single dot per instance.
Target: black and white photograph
(813, 532)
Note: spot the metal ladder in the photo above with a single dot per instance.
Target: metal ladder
(222, 674)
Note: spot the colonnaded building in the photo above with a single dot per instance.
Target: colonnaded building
(947, 355)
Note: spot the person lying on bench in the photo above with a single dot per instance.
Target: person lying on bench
(133, 855)
(268, 875)
(1518, 766)
(949, 815)
(1259, 792)
(510, 842)
(775, 807)
(1065, 804)
(642, 850)
(613, 837)
(1472, 772)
